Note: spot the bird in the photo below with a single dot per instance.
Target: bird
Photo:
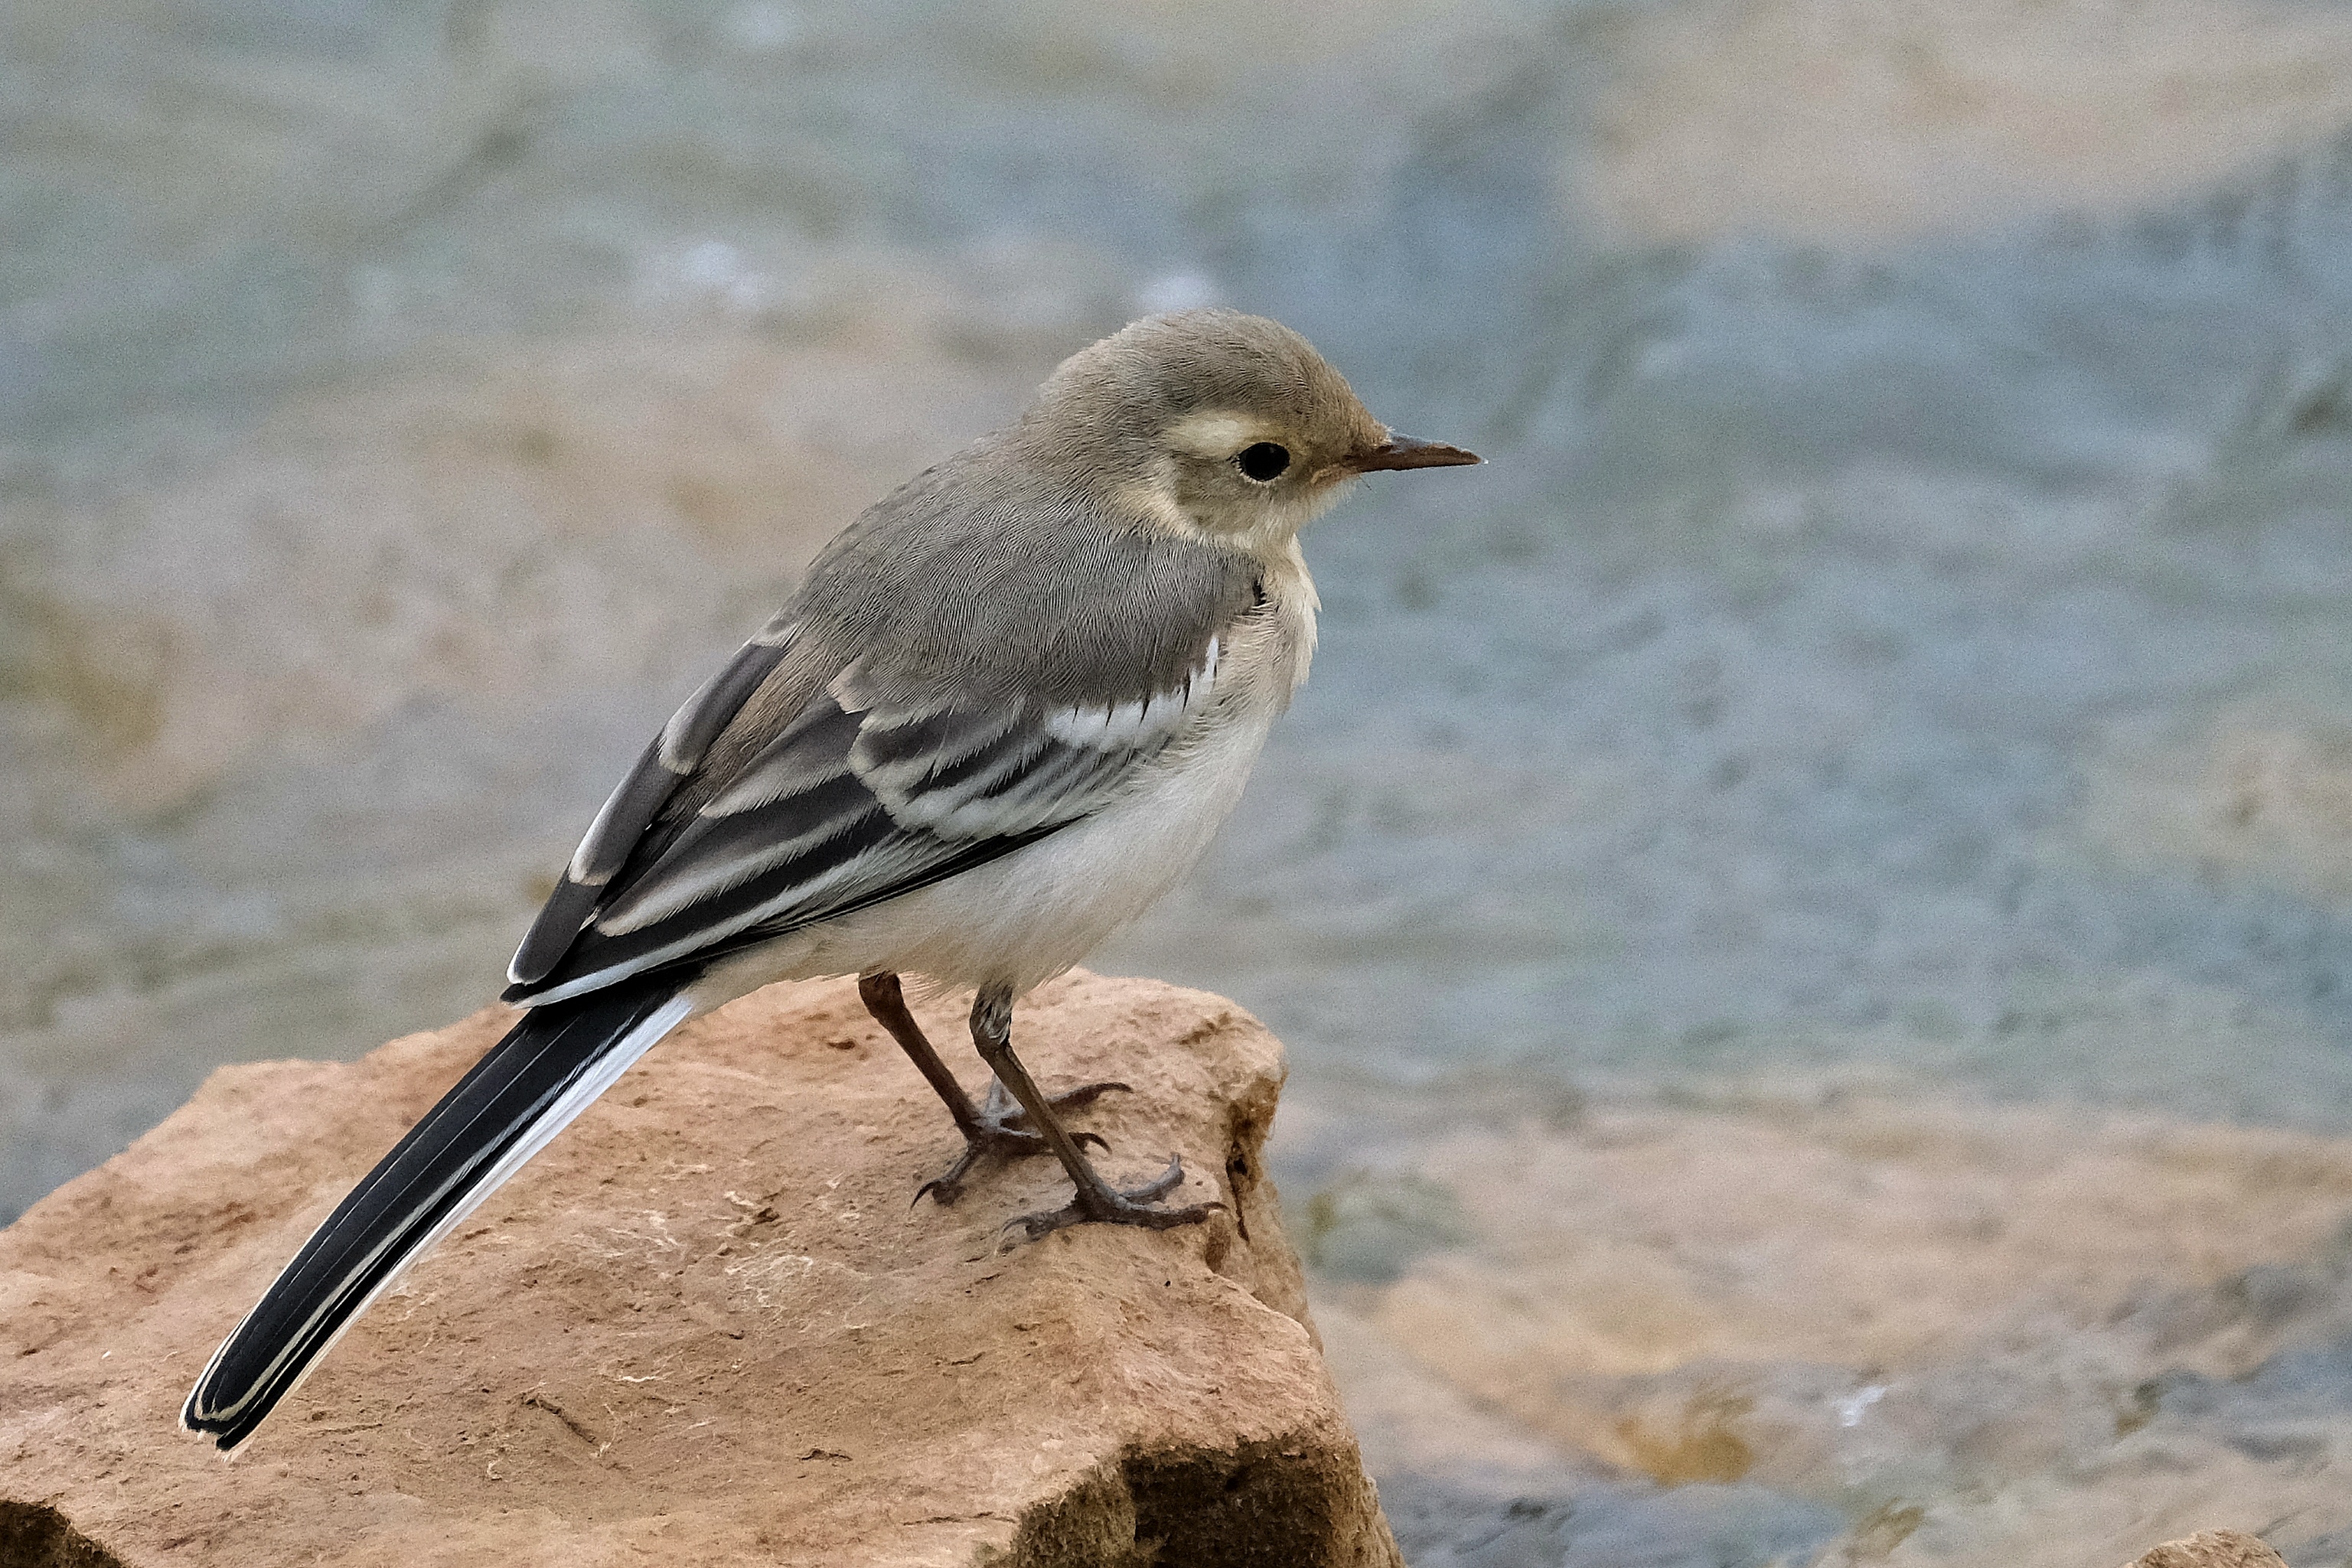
(1003, 711)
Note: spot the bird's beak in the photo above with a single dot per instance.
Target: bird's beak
(1407, 452)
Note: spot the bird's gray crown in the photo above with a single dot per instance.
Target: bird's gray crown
(1136, 387)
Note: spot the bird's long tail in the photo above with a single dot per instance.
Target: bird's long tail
(525, 1089)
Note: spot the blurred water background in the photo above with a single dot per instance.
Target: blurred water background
(1808, 900)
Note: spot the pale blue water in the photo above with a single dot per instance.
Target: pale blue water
(1840, 667)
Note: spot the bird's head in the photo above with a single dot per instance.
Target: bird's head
(1218, 424)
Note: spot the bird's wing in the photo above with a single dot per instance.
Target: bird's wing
(860, 794)
(982, 657)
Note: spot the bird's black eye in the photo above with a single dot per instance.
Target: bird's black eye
(1264, 462)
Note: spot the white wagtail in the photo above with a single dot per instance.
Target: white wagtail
(1006, 709)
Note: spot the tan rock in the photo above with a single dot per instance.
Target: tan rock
(2212, 1548)
(705, 1326)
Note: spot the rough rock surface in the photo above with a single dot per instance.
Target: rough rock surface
(2212, 1548)
(705, 1326)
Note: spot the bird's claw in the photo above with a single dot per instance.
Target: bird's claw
(1000, 1133)
(1112, 1205)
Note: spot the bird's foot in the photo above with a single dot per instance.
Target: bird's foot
(1001, 1131)
(1107, 1204)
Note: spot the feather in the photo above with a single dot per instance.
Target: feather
(529, 1087)
(633, 804)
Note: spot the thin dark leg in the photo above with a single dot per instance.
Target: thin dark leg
(992, 1128)
(1096, 1200)
(887, 1001)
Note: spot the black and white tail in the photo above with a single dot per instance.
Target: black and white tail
(520, 1094)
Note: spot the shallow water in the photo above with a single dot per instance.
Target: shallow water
(1882, 719)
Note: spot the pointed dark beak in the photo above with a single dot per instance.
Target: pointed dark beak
(1406, 452)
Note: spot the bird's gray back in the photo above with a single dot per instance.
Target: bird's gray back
(989, 578)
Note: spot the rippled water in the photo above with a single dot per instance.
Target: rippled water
(1822, 869)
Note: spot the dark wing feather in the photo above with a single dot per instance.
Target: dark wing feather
(672, 758)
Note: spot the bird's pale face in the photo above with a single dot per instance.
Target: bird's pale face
(1219, 424)
(1256, 477)
(1253, 478)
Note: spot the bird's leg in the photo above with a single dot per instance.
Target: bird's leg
(1096, 1200)
(992, 1127)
